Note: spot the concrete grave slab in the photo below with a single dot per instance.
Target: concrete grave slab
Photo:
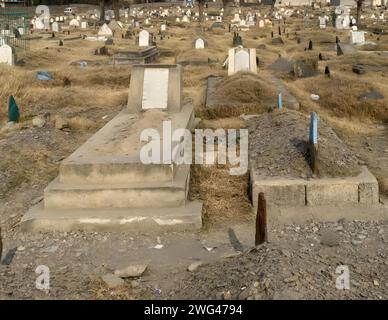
(104, 185)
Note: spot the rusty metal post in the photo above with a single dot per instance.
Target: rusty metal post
(261, 220)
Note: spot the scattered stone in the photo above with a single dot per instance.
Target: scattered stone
(356, 242)
(61, 123)
(291, 279)
(330, 238)
(112, 281)
(36, 200)
(132, 271)
(227, 295)
(195, 265)
(38, 122)
(51, 249)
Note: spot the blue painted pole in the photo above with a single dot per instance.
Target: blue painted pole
(314, 128)
(280, 101)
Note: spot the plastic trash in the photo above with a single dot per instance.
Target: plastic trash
(13, 110)
(43, 76)
(83, 64)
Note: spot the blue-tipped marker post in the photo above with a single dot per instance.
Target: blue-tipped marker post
(313, 143)
(280, 101)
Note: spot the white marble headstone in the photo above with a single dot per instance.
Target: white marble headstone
(6, 55)
(155, 88)
(105, 31)
(357, 37)
(241, 61)
(199, 44)
(74, 23)
(144, 38)
(55, 27)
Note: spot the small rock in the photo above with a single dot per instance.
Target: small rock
(38, 122)
(61, 123)
(194, 266)
(291, 279)
(356, 242)
(227, 295)
(36, 200)
(21, 248)
(376, 283)
(329, 238)
(131, 271)
(112, 281)
(51, 249)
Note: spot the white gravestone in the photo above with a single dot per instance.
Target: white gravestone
(241, 61)
(144, 38)
(322, 22)
(74, 23)
(155, 88)
(84, 25)
(199, 44)
(55, 27)
(6, 55)
(357, 37)
(105, 31)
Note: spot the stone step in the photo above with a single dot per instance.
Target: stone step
(130, 195)
(135, 220)
(114, 172)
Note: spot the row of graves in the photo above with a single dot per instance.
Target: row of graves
(110, 183)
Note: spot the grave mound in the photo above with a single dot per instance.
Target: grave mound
(239, 93)
(280, 165)
(279, 143)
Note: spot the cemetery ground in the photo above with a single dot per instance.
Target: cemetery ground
(301, 257)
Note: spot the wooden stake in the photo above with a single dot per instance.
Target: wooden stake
(261, 220)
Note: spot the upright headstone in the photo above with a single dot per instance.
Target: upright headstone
(55, 27)
(242, 59)
(144, 38)
(6, 55)
(199, 44)
(105, 31)
(155, 88)
(357, 37)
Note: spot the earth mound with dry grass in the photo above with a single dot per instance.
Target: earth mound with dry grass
(238, 94)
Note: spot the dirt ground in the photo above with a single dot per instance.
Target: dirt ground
(298, 262)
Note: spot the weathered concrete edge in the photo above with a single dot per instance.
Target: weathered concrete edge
(134, 220)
